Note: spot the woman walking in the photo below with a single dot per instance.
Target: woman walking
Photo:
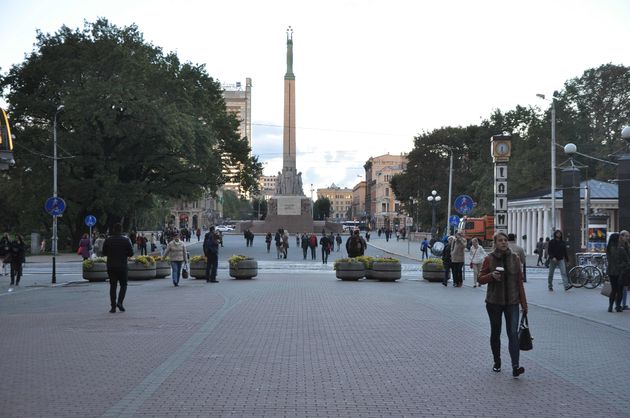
(477, 255)
(614, 270)
(84, 247)
(176, 250)
(503, 273)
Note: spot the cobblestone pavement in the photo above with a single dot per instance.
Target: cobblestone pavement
(296, 342)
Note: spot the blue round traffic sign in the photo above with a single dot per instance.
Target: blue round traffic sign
(55, 206)
(453, 220)
(90, 220)
(464, 204)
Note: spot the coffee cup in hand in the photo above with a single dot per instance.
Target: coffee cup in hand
(500, 270)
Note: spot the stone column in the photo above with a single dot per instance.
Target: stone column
(571, 178)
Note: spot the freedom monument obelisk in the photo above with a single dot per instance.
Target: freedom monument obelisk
(289, 208)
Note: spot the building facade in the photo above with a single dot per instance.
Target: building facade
(358, 202)
(340, 201)
(529, 218)
(383, 210)
(209, 210)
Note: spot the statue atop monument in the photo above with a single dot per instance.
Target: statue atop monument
(289, 182)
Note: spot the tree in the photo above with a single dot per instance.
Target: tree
(321, 208)
(139, 127)
(259, 208)
(235, 207)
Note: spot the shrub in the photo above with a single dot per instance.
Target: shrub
(347, 260)
(198, 259)
(366, 260)
(89, 263)
(161, 258)
(145, 260)
(437, 261)
(235, 259)
(386, 260)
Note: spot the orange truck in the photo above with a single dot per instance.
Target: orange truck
(480, 228)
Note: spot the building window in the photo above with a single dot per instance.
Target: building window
(386, 191)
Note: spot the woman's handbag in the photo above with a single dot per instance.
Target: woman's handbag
(185, 271)
(606, 289)
(524, 336)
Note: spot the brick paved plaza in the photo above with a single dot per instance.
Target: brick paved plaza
(299, 343)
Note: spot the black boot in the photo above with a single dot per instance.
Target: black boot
(610, 307)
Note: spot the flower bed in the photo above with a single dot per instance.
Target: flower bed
(433, 270)
(95, 270)
(243, 267)
(349, 269)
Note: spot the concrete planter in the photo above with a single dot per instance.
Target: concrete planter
(347, 271)
(98, 273)
(433, 272)
(162, 269)
(244, 269)
(386, 272)
(138, 271)
(198, 269)
(369, 274)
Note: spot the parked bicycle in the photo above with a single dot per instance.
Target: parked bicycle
(590, 271)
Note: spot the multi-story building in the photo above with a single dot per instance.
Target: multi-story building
(239, 103)
(340, 201)
(383, 210)
(209, 210)
(358, 201)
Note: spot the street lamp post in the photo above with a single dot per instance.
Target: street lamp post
(623, 176)
(433, 199)
(60, 109)
(553, 160)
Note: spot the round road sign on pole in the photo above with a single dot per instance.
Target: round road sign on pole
(55, 206)
(90, 220)
(464, 204)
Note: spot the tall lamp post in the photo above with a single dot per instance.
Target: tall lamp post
(450, 187)
(623, 176)
(553, 160)
(60, 109)
(433, 199)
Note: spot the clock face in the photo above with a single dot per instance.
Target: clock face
(502, 148)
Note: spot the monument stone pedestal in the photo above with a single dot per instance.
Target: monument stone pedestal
(292, 213)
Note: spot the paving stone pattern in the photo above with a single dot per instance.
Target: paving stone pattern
(295, 345)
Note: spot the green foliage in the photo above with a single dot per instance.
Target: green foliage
(139, 128)
(235, 207)
(89, 263)
(321, 208)
(590, 112)
(235, 259)
(435, 261)
(198, 259)
(366, 260)
(145, 260)
(352, 260)
(386, 260)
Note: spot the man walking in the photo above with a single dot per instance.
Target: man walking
(211, 251)
(557, 257)
(117, 248)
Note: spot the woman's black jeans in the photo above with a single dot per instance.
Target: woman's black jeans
(617, 291)
(511, 324)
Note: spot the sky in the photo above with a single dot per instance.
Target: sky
(370, 75)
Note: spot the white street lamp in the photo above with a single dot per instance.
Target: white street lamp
(433, 199)
(553, 159)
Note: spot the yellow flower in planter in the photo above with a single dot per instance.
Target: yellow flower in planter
(161, 258)
(198, 259)
(435, 261)
(89, 263)
(366, 260)
(235, 259)
(351, 260)
(145, 260)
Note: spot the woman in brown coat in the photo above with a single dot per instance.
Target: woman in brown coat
(505, 293)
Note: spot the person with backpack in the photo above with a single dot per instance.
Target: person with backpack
(324, 241)
(312, 244)
(304, 244)
(355, 245)
(424, 248)
(339, 241)
(211, 251)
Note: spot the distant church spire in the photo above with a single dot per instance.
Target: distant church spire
(289, 75)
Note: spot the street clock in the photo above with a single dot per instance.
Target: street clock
(501, 148)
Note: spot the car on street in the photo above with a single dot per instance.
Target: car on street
(224, 228)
